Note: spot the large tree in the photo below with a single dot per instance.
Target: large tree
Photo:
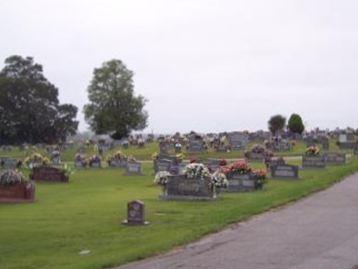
(30, 111)
(295, 124)
(276, 124)
(114, 109)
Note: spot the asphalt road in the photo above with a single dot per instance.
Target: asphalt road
(318, 232)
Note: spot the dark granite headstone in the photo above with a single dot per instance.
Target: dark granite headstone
(196, 145)
(8, 163)
(50, 174)
(237, 140)
(135, 213)
(134, 168)
(117, 163)
(335, 158)
(241, 183)
(313, 162)
(181, 188)
(284, 171)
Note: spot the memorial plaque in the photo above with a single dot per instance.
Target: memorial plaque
(196, 146)
(241, 183)
(49, 174)
(134, 168)
(117, 163)
(182, 188)
(313, 162)
(8, 163)
(135, 214)
(163, 165)
(284, 171)
(20, 192)
(237, 140)
(335, 158)
(95, 164)
(346, 145)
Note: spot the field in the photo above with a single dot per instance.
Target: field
(86, 215)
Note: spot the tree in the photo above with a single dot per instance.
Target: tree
(29, 107)
(276, 124)
(295, 124)
(113, 108)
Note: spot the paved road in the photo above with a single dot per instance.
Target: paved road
(319, 232)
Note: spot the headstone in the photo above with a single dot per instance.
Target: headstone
(162, 165)
(284, 171)
(8, 163)
(135, 214)
(335, 158)
(117, 163)
(241, 183)
(50, 174)
(237, 140)
(313, 162)
(196, 145)
(134, 168)
(181, 188)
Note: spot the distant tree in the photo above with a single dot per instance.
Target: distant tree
(276, 124)
(113, 108)
(29, 107)
(295, 124)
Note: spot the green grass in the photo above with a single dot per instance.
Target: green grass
(86, 215)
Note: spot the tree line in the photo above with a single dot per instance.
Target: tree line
(30, 111)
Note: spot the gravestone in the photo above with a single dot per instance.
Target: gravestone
(284, 171)
(196, 145)
(313, 162)
(49, 174)
(135, 214)
(96, 164)
(162, 165)
(335, 158)
(181, 188)
(17, 193)
(134, 168)
(8, 163)
(117, 163)
(237, 140)
(213, 164)
(256, 156)
(241, 183)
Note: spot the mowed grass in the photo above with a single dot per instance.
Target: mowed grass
(86, 215)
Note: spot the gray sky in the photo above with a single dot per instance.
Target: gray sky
(203, 65)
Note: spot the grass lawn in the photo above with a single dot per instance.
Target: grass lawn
(86, 214)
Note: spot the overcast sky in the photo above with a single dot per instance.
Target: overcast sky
(203, 65)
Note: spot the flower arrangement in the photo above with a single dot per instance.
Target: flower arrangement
(94, 159)
(36, 159)
(195, 171)
(239, 167)
(67, 170)
(219, 180)
(312, 151)
(117, 156)
(161, 178)
(261, 176)
(80, 158)
(11, 177)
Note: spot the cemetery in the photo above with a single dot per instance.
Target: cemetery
(218, 183)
